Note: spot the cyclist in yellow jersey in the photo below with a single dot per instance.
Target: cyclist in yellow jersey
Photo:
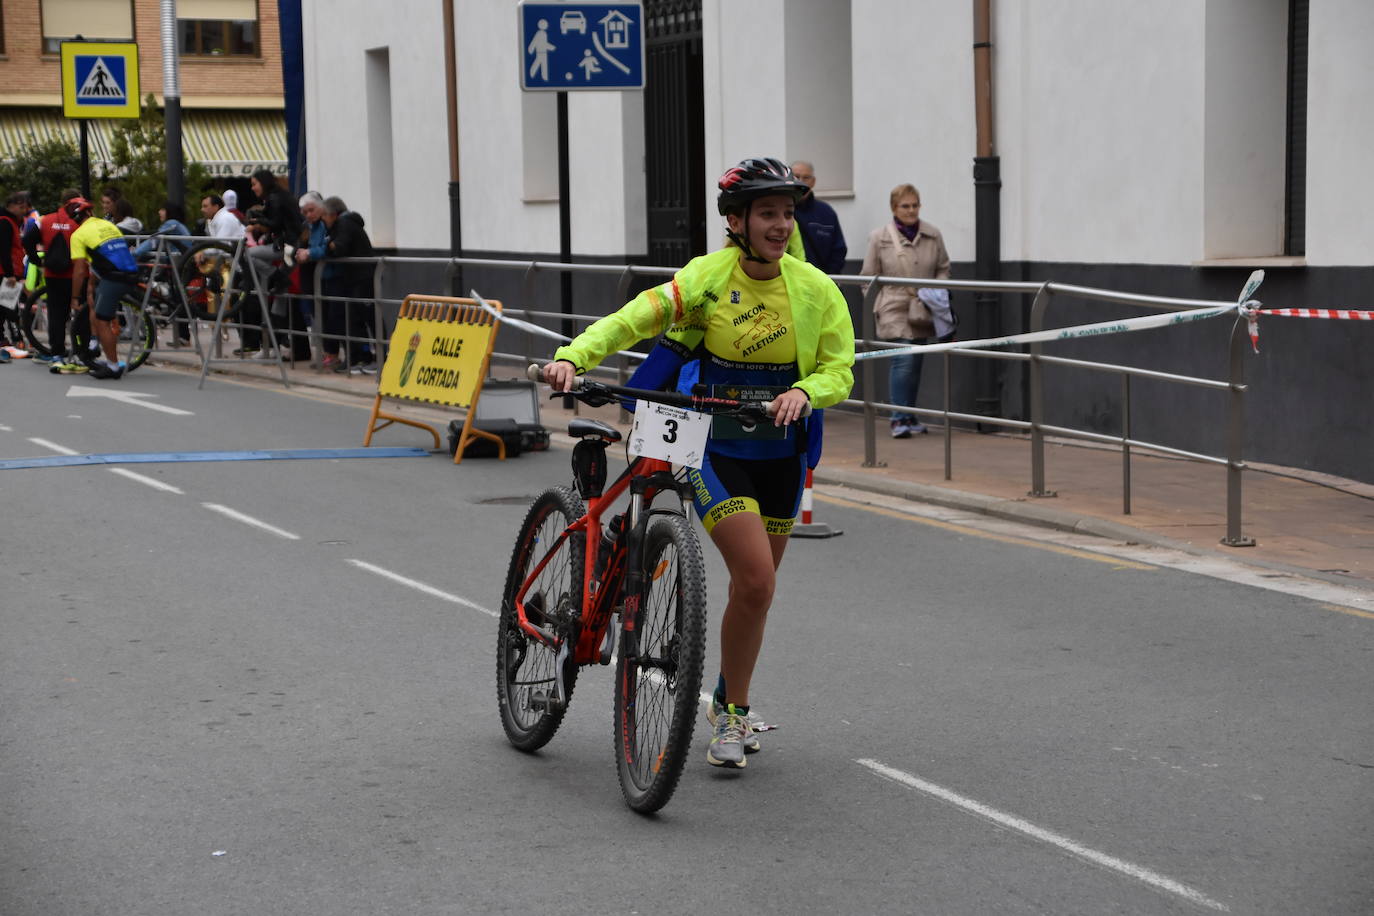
(750, 315)
(99, 251)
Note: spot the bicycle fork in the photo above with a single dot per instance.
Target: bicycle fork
(638, 522)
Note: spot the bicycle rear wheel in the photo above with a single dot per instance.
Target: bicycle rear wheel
(525, 667)
(658, 673)
(204, 274)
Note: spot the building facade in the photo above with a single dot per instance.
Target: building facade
(1167, 148)
(230, 76)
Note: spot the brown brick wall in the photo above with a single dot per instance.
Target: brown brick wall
(29, 77)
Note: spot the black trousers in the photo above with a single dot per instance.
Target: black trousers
(59, 312)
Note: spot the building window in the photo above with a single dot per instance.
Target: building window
(218, 38)
(93, 20)
(218, 28)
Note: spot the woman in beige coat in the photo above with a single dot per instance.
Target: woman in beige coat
(907, 246)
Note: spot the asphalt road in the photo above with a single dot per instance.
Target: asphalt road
(249, 687)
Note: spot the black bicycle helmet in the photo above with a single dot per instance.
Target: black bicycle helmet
(754, 178)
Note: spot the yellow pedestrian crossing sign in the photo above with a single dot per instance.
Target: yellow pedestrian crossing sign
(100, 79)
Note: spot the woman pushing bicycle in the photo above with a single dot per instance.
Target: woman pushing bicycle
(749, 316)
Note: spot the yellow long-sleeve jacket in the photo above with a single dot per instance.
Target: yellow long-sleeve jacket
(680, 307)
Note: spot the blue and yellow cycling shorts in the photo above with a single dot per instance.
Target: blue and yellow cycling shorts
(770, 488)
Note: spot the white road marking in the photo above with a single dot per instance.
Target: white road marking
(1012, 822)
(421, 587)
(6, 429)
(147, 481)
(249, 520)
(60, 449)
(126, 397)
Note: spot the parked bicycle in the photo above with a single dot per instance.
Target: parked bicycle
(631, 591)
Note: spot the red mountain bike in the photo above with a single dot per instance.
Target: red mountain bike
(632, 592)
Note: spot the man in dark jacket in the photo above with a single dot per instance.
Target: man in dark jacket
(348, 239)
(818, 224)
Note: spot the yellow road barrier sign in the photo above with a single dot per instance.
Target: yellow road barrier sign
(439, 354)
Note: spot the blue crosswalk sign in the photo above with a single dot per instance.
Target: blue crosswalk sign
(100, 80)
(568, 47)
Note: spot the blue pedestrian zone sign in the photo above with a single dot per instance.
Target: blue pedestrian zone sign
(566, 47)
(101, 80)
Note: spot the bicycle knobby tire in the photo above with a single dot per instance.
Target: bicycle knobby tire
(658, 671)
(525, 667)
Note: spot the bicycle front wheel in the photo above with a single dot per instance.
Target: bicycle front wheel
(526, 668)
(658, 673)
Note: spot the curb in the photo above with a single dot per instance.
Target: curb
(1029, 513)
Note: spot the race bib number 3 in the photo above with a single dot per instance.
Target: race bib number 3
(669, 434)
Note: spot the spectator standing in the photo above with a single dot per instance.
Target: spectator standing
(280, 224)
(314, 245)
(173, 216)
(124, 218)
(12, 252)
(906, 246)
(819, 225)
(231, 203)
(108, 197)
(49, 243)
(219, 222)
(348, 239)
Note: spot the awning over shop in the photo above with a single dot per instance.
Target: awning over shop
(228, 143)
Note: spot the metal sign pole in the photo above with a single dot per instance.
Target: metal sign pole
(564, 223)
(85, 161)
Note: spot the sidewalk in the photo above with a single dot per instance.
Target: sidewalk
(1304, 523)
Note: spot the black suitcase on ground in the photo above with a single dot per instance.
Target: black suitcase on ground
(507, 429)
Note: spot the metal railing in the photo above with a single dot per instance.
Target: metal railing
(1036, 426)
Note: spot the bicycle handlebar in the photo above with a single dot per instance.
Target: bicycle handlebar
(599, 393)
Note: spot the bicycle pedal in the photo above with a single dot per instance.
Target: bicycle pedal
(544, 701)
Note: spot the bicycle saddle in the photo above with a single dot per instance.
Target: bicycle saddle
(582, 427)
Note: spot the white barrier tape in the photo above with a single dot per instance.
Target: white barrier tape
(534, 329)
(1083, 330)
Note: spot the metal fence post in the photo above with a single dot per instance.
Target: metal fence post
(949, 425)
(1235, 438)
(1125, 445)
(866, 373)
(378, 319)
(1037, 396)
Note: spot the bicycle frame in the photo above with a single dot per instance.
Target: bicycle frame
(645, 478)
